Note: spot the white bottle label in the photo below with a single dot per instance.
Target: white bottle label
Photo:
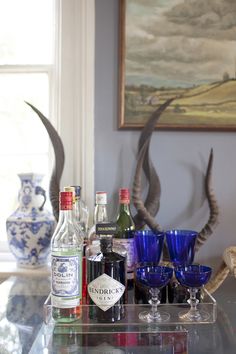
(128, 244)
(101, 198)
(66, 276)
(105, 291)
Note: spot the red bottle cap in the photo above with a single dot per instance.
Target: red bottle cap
(66, 200)
(124, 195)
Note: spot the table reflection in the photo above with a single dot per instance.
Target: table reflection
(23, 314)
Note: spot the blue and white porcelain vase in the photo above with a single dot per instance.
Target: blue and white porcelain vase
(30, 227)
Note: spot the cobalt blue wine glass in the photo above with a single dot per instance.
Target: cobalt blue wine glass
(148, 246)
(193, 277)
(154, 277)
(181, 244)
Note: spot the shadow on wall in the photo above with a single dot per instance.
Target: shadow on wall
(197, 198)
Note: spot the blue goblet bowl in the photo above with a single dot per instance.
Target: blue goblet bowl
(193, 276)
(154, 276)
(181, 245)
(148, 246)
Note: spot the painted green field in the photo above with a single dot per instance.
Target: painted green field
(207, 105)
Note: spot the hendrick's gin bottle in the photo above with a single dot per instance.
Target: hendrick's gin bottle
(106, 279)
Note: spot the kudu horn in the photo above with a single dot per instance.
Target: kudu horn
(54, 186)
(152, 203)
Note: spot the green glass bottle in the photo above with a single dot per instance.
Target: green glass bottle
(125, 235)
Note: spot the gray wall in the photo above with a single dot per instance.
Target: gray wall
(180, 158)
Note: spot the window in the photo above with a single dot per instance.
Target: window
(47, 59)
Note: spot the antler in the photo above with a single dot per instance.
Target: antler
(212, 202)
(143, 213)
(54, 186)
(227, 265)
(229, 257)
(147, 211)
(218, 278)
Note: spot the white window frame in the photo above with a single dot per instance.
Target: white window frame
(75, 92)
(72, 95)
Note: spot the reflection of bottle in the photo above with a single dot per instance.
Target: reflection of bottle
(165, 342)
(107, 343)
(106, 277)
(125, 235)
(100, 215)
(66, 341)
(66, 263)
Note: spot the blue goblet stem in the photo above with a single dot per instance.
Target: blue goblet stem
(155, 302)
(193, 301)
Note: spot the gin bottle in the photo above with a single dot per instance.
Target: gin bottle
(106, 277)
(81, 210)
(100, 216)
(66, 264)
(81, 213)
(125, 234)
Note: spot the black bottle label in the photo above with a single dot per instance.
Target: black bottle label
(105, 291)
(106, 228)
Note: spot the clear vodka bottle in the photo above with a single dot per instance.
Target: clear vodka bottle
(100, 216)
(66, 264)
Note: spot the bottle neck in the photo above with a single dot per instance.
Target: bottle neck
(124, 207)
(66, 215)
(76, 209)
(100, 213)
(77, 199)
(106, 244)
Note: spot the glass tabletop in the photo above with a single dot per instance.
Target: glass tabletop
(21, 312)
(22, 329)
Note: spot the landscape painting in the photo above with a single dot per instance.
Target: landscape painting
(182, 49)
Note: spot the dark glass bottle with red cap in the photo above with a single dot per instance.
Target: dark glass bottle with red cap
(66, 264)
(125, 234)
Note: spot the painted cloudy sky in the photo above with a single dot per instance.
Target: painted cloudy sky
(180, 42)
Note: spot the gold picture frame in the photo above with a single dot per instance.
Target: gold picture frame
(163, 53)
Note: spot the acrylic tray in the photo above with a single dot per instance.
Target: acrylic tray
(131, 322)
